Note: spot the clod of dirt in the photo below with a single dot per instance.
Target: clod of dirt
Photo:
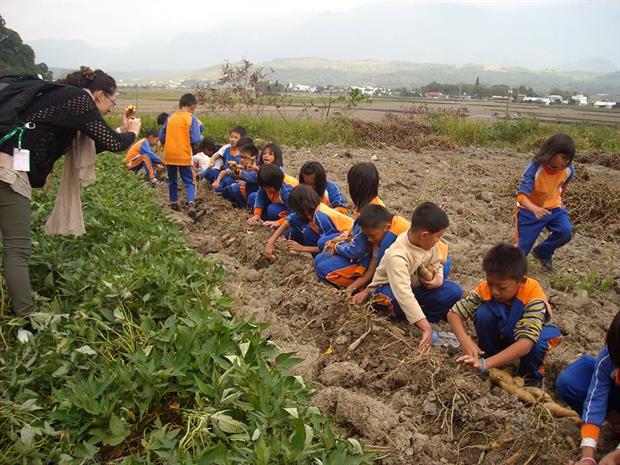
(344, 374)
(371, 418)
(310, 355)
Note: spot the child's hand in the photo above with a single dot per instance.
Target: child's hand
(351, 288)
(471, 348)
(613, 458)
(211, 164)
(540, 212)
(294, 246)
(268, 252)
(271, 224)
(434, 283)
(473, 363)
(215, 184)
(427, 340)
(256, 219)
(360, 297)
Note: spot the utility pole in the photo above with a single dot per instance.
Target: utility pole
(508, 102)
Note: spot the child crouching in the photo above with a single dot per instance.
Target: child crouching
(511, 315)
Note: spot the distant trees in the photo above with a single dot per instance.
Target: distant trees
(17, 57)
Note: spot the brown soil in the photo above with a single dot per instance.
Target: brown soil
(413, 408)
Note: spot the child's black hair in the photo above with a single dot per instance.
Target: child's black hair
(277, 154)
(161, 118)
(251, 149)
(245, 140)
(363, 180)
(429, 217)
(209, 144)
(151, 133)
(320, 177)
(303, 200)
(374, 216)
(557, 143)
(239, 130)
(506, 261)
(270, 176)
(187, 100)
(613, 340)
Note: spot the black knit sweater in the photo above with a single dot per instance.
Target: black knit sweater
(58, 115)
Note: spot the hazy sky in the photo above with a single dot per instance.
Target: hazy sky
(589, 29)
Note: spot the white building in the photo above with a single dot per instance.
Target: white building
(604, 104)
(580, 99)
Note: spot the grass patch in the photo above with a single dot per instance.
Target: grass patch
(408, 131)
(138, 360)
(522, 134)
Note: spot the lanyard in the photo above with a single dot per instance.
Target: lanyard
(19, 130)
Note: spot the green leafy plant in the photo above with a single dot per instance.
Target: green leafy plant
(137, 359)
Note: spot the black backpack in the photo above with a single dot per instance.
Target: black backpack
(16, 93)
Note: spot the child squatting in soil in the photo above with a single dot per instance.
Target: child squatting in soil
(363, 181)
(270, 204)
(226, 175)
(310, 225)
(141, 156)
(511, 316)
(180, 132)
(591, 387)
(380, 228)
(539, 199)
(246, 177)
(313, 174)
(397, 285)
(226, 153)
(205, 150)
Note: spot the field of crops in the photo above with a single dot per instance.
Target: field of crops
(137, 358)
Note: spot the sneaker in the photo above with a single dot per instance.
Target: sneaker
(175, 206)
(547, 263)
(154, 183)
(191, 211)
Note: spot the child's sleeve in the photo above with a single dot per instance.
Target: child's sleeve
(467, 306)
(355, 248)
(595, 405)
(336, 197)
(400, 283)
(145, 149)
(162, 133)
(194, 131)
(531, 323)
(571, 176)
(526, 185)
(387, 241)
(326, 228)
(251, 177)
(261, 202)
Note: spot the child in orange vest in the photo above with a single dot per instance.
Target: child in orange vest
(511, 315)
(591, 386)
(321, 222)
(179, 134)
(140, 155)
(539, 199)
(380, 228)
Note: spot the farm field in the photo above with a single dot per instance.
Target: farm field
(151, 352)
(420, 409)
(157, 101)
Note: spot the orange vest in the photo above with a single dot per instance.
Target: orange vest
(178, 148)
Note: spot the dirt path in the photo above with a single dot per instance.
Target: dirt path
(416, 409)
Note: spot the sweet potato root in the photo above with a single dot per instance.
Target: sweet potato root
(531, 395)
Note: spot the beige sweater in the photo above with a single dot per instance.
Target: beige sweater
(399, 268)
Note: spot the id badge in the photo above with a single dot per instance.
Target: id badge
(21, 159)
